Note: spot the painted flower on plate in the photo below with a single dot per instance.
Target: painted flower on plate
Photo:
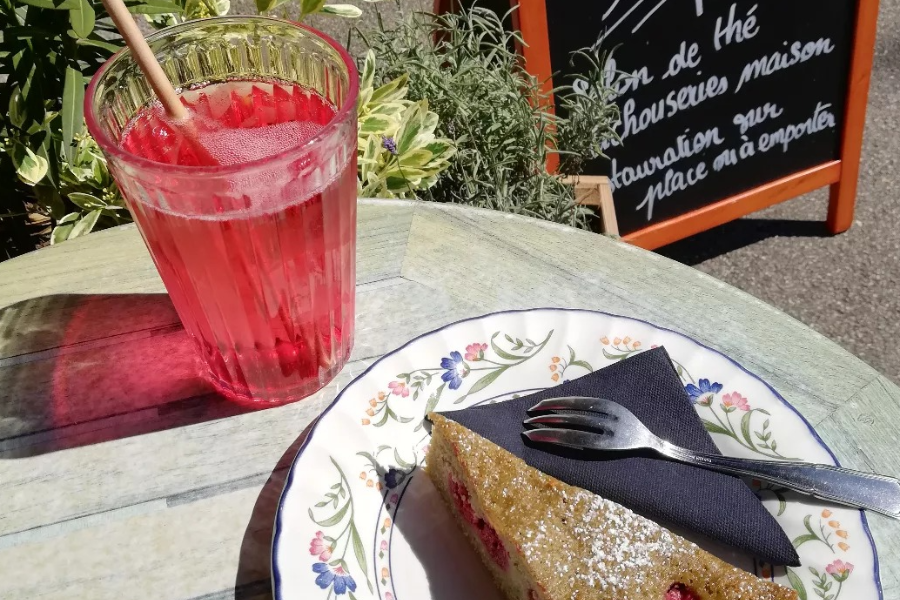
(475, 351)
(454, 369)
(840, 570)
(394, 477)
(319, 547)
(703, 393)
(398, 388)
(734, 401)
(334, 577)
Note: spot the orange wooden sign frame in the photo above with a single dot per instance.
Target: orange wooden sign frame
(842, 175)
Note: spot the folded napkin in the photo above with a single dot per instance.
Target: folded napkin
(717, 506)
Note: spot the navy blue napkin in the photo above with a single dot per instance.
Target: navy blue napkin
(716, 506)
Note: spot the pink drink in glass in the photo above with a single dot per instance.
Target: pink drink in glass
(250, 217)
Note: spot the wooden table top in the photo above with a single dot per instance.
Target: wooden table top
(121, 477)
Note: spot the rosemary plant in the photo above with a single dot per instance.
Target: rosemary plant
(465, 65)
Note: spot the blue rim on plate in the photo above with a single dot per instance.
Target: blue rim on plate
(276, 575)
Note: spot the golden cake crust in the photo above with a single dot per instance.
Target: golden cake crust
(575, 545)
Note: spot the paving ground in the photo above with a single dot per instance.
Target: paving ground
(846, 287)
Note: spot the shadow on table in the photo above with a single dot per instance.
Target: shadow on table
(83, 369)
(253, 578)
(738, 234)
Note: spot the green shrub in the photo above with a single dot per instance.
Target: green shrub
(466, 67)
(399, 154)
(446, 113)
(49, 49)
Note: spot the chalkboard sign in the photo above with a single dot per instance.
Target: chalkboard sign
(726, 106)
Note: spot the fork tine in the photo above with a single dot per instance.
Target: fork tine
(570, 438)
(599, 406)
(580, 421)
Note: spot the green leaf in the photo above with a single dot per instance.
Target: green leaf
(431, 404)
(221, 7)
(86, 201)
(583, 364)
(18, 113)
(611, 356)
(402, 462)
(392, 91)
(714, 428)
(483, 382)
(308, 7)
(85, 225)
(797, 584)
(347, 11)
(98, 44)
(389, 109)
(32, 168)
(333, 519)
(501, 352)
(802, 539)
(358, 550)
(410, 126)
(82, 19)
(376, 125)
(72, 109)
(384, 418)
(745, 428)
(52, 5)
(368, 74)
(69, 218)
(398, 184)
(441, 148)
(368, 456)
(808, 525)
(154, 6)
(60, 233)
(416, 158)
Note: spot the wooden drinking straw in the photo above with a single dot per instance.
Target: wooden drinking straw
(145, 59)
(155, 75)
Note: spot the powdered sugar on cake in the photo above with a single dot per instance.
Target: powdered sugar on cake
(623, 544)
(560, 542)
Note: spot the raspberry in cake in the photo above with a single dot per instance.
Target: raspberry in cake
(542, 539)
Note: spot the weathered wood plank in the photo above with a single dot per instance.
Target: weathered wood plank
(515, 263)
(863, 434)
(118, 482)
(193, 446)
(116, 261)
(188, 551)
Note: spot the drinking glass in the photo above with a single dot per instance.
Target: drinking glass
(258, 256)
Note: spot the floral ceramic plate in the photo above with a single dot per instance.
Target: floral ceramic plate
(358, 519)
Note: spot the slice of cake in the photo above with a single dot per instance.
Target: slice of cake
(545, 540)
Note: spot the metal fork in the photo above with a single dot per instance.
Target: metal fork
(611, 426)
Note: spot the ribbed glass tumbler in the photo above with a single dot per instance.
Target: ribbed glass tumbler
(249, 207)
